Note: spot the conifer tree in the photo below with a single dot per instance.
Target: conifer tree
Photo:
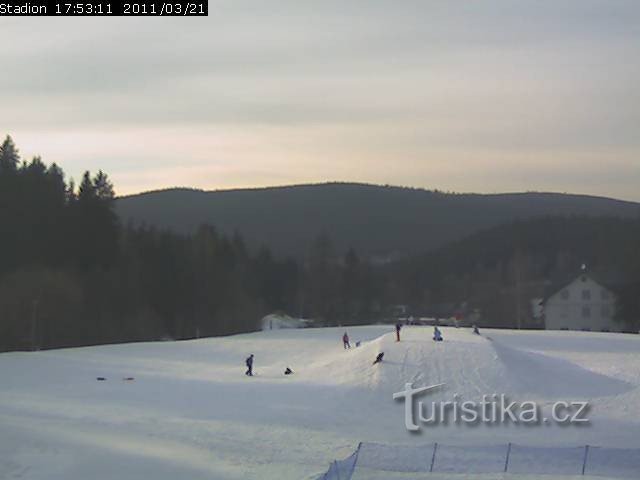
(9, 156)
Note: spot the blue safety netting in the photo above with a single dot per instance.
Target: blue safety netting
(510, 458)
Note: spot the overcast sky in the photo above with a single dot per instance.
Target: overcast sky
(483, 96)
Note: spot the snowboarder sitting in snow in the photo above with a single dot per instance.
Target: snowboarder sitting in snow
(345, 341)
(475, 330)
(398, 327)
(437, 334)
(288, 371)
(249, 363)
(379, 358)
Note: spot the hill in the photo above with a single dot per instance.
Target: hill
(190, 412)
(375, 220)
(537, 255)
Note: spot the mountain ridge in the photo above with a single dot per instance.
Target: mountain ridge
(366, 184)
(374, 219)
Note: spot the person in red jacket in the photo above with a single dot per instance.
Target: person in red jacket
(345, 341)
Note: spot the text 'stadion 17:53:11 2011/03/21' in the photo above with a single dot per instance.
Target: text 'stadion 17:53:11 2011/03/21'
(104, 8)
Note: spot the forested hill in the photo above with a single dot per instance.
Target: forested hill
(501, 269)
(372, 219)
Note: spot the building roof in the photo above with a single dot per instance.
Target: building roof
(557, 287)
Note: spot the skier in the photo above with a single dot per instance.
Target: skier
(249, 363)
(475, 330)
(379, 358)
(288, 371)
(398, 327)
(345, 341)
(437, 334)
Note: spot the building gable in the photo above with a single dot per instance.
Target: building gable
(583, 304)
(575, 291)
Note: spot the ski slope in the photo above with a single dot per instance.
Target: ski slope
(192, 413)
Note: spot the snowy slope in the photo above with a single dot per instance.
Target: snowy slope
(192, 413)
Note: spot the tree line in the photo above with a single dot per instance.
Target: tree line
(497, 273)
(72, 274)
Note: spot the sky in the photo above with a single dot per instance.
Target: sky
(468, 96)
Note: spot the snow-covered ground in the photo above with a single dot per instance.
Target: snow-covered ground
(191, 412)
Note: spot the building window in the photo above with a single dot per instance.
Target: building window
(586, 312)
(586, 294)
(564, 294)
(606, 311)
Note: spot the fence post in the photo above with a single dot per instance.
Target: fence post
(584, 462)
(506, 460)
(433, 458)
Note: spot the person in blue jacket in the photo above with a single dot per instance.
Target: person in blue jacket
(437, 334)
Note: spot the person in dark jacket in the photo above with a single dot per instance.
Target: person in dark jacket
(249, 363)
(379, 358)
(288, 371)
(398, 327)
(345, 341)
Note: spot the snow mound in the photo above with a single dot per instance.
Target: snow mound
(469, 365)
(546, 376)
(192, 413)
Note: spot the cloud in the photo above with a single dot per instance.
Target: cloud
(310, 91)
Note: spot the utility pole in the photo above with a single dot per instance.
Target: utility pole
(518, 286)
(34, 323)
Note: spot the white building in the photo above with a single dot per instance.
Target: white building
(278, 321)
(583, 304)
